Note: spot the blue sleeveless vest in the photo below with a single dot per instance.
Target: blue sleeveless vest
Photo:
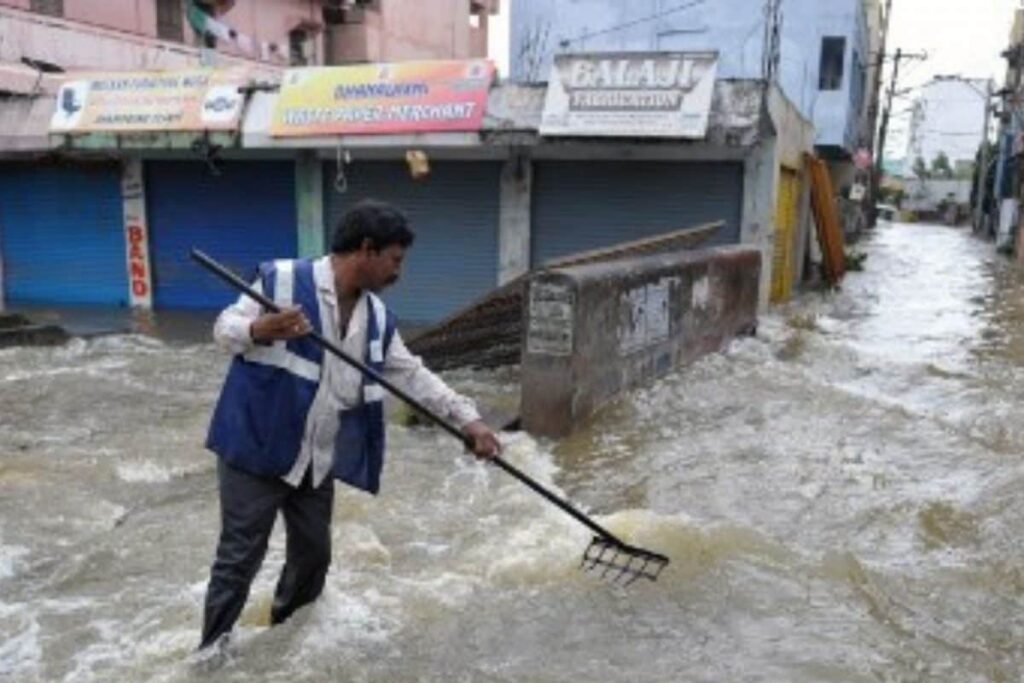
(260, 418)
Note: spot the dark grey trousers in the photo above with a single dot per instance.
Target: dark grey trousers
(248, 508)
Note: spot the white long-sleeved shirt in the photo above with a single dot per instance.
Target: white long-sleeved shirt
(340, 384)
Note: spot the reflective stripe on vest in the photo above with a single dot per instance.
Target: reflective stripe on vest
(278, 354)
(373, 392)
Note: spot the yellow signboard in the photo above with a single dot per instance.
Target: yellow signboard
(405, 97)
(186, 100)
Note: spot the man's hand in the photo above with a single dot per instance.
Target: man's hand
(481, 440)
(290, 323)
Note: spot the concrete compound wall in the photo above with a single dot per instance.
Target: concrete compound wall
(597, 330)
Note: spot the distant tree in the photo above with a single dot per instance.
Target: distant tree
(921, 169)
(941, 167)
(891, 195)
(963, 170)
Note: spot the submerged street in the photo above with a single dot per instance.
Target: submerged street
(841, 498)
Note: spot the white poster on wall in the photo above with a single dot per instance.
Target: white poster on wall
(136, 235)
(644, 317)
(630, 94)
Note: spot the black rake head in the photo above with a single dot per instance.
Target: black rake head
(620, 563)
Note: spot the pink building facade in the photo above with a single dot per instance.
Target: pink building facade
(268, 35)
(396, 30)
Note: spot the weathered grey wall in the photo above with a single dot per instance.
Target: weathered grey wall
(597, 330)
(514, 218)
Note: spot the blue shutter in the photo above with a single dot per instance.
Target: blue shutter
(62, 235)
(454, 212)
(241, 217)
(579, 205)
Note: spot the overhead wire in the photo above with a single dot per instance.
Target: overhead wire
(630, 24)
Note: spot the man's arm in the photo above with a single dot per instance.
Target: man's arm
(243, 324)
(408, 371)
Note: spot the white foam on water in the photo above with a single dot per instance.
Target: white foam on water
(448, 589)
(172, 647)
(145, 471)
(94, 662)
(133, 343)
(359, 544)
(12, 560)
(524, 540)
(543, 550)
(39, 373)
(344, 616)
(21, 653)
(151, 472)
(99, 515)
(66, 605)
(142, 648)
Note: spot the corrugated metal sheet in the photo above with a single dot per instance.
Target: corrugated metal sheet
(454, 212)
(826, 217)
(62, 234)
(242, 217)
(579, 205)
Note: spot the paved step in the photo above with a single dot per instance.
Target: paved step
(9, 320)
(17, 330)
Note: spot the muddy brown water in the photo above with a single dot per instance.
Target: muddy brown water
(842, 498)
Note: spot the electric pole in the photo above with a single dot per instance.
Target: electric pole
(876, 92)
(982, 191)
(887, 113)
(772, 40)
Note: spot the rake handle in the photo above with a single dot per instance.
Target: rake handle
(241, 285)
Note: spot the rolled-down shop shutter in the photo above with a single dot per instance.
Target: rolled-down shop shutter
(241, 217)
(581, 205)
(454, 212)
(62, 235)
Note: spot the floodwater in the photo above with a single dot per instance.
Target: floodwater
(842, 498)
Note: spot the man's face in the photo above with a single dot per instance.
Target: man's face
(382, 268)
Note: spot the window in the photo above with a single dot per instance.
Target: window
(55, 8)
(833, 54)
(170, 24)
(478, 10)
(298, 47)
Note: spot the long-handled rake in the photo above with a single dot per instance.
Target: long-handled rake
(607, 556)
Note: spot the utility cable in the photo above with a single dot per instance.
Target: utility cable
(630, 24)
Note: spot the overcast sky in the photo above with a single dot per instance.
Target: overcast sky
(497, 38)
(963, 37)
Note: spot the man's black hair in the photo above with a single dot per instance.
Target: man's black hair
(378, 222)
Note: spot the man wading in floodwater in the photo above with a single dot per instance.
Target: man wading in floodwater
(291, 418)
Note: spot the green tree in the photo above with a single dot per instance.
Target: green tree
(921, 169)
(941, 167)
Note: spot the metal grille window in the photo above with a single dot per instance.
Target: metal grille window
(298, 47)
(55, 8)
(170, 23)
(833, 55)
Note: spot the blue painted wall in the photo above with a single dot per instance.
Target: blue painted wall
(735, 28)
